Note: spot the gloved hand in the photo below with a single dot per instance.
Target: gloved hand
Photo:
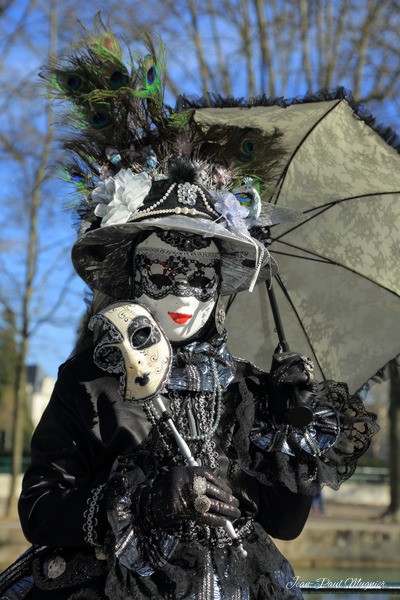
(289, 370)
(187, 493)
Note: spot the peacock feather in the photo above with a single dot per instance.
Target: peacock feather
(246, 160)
(106, 108)
(152, 69)
(114, 117)
(250, 152)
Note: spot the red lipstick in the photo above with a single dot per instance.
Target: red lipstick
(179, 318)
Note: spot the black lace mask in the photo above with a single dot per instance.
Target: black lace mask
(157, 274)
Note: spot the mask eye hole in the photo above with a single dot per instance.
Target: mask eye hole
(142, 333)
(108, 357)
(160, 280)
(140, 337)
(200, 281)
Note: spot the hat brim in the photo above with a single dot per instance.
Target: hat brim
(103, 257)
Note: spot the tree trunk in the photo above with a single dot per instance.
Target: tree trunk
(204, 71)
(305, 33)
(222, 71)
(266, 66)
(246, 35)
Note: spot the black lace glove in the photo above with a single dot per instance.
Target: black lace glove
(292, 385)
(187, 493)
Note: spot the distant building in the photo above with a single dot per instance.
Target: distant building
(39, 388)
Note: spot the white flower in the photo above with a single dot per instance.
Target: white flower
(118, 198)
(233, 212)
(102, 196)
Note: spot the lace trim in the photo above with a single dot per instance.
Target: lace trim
(325, 454)
(185, 274)
(184, 242)
(206, 256)
(338, 93)
(90, 515)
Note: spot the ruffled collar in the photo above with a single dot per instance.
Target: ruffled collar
(192, 365)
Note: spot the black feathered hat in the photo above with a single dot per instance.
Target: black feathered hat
(140, 165)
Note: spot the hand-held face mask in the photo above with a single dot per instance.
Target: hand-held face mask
(133, 346)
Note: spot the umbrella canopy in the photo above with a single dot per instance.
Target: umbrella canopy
(338, 287)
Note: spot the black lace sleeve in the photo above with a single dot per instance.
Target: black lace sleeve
(303, 460)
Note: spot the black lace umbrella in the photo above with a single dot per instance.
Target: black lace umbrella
(338, 284)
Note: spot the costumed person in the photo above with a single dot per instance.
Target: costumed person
(171, 222)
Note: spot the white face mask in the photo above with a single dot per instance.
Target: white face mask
(180, 287)
(133, 346)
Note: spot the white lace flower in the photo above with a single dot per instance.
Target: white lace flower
(233, 212)
(117, 198)
(102, 196)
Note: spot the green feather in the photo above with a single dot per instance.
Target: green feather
(180, 120)
(152, 69)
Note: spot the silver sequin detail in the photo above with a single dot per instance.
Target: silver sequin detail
(187, 193)
(54, 567)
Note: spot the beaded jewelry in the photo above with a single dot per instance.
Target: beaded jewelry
(154, 419)
(187, 194)
(198, 415)
(90, 514)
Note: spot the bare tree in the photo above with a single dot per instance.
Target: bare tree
(26, 145)
(222, 61)
(288, 48)
(304, 30)
(32, 252)
(275, 48)
(8, 359)
(198, 42)
(16, 32)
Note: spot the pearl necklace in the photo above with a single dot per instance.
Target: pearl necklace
(178, 210)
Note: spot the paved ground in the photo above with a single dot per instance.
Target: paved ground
(351, 514)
